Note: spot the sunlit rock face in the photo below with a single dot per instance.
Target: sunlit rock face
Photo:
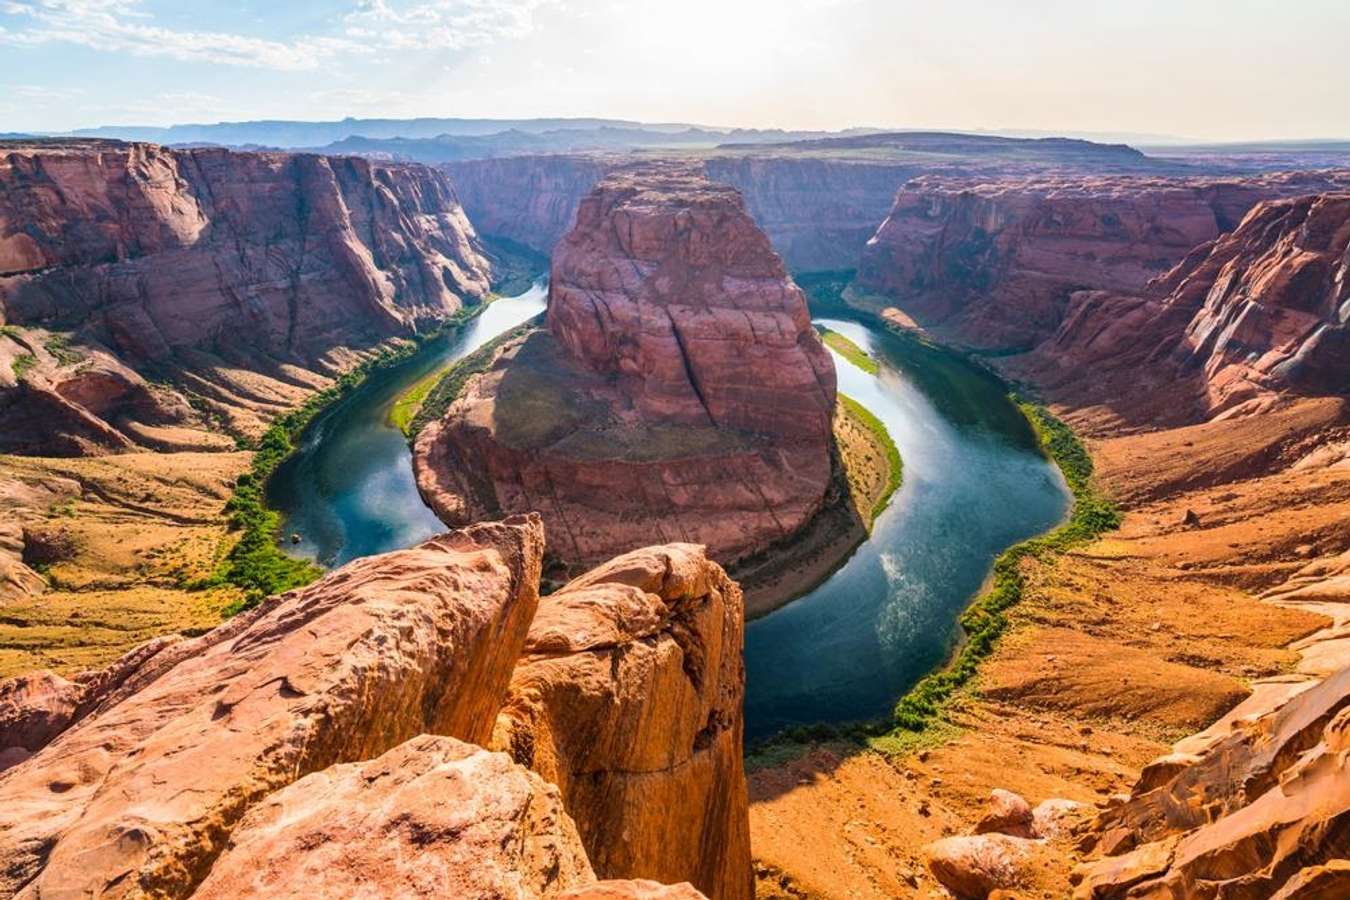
(1244, 318)
(994, 262)
(679, 392)
(229, 267)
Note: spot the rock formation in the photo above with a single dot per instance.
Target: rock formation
(818, 212)
(325, 740)
(1257, 815)
(384, 649)
(207, 261)
(679, 392)
(993, 263)
(531, 200)
(629, 699)
(1250, 314)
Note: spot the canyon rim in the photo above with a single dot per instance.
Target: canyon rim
(401, 499)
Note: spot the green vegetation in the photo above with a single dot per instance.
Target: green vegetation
(848, 350)
(405, 408)
(894, 466)
(256, 564)
(920, 717)
(449, 382)
(986, 620)
(58, 345)
(10, 331)
(23, 364)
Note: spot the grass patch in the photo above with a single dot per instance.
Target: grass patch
(405, 408)
(449, 382)
(23, 364)
(894, 465)
(59, 346)
(256, 563)
(848, 350)
(985, 620)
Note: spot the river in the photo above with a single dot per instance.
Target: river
(974, 483)
(348, 491)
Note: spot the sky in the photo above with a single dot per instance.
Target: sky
(1231, 70)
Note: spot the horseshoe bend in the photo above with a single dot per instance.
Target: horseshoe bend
(613, 508)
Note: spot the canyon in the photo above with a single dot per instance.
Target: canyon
(991, 263)
(150, 295)
(1168, 696)
(677, 391)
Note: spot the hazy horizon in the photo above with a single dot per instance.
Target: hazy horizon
(1198, 71)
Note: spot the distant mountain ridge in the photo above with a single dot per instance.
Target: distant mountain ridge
(286, 134)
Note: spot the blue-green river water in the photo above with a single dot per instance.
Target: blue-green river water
(974, 484)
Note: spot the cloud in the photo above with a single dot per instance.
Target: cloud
(442, 24)
(124, 26)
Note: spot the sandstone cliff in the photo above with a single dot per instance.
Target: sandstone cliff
(531, 200)
(325, 741)
(678, 394)
(1252, 314)
(629, 699)
(818, 213)
(243, 277)
(992, 263)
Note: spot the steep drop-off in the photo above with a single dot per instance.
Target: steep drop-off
(245, 279)
(531, 200)
(992, 263)
(1253, 314)
(679, 391)
(324, 740)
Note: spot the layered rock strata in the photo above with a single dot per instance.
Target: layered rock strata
(1257, 815)
(1252, 314)
(993, 263)
(629, 699)
(679, 392)
(531, 200)
(209, 262)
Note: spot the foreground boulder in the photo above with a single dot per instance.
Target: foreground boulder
(972, 867)
(434, 817)
(679, 392)
(629, 699)
(1255, 816)
(140, 793)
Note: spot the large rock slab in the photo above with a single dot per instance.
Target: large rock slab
(1255, 815)
(433, 817)
(140, 794)
(629, 699)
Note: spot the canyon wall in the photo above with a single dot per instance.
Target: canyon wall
(213, 263)
(992, 263)
(1254, 313)
(818, 213)
(332, 738)
(531, 200)
(679, 390)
